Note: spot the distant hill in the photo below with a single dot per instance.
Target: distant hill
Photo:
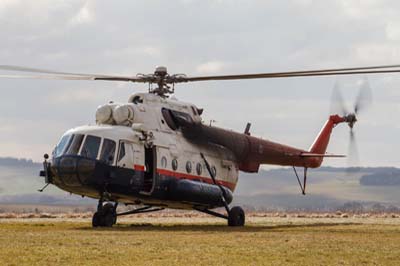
(388, 178)
(328, 188)
(14, 162)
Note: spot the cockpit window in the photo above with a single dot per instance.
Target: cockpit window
(65, 140)
(137, 99)
(74, 144)
(108, 151)
(121, 151)
(91, 147)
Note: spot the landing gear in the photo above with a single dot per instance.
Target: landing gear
(236, 216)
(106, 215)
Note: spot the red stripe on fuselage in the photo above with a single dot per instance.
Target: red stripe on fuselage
(138, 167)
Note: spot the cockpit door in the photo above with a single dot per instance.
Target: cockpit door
(125, 154)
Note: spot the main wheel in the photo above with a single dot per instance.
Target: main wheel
(236, 216)
(105, 217)
(96, 220)
(108, 219)
(109, 216)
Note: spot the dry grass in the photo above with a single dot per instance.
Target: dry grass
(201, 241)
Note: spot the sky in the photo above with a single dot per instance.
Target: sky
(203, 37)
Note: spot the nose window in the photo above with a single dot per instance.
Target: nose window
(65, 140)
(108, 151)
(74, 144)
(91, 147)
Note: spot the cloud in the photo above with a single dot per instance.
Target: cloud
(211, 67)
(393, 30)
(85, 15)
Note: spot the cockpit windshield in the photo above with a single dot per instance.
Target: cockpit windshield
(91, 147)
(74, 144)
(71, 145)
(65, 140)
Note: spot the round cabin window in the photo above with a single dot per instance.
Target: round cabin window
(164, 162)
(174, 164)
(188, 167)
(199, 168)
(214, 171)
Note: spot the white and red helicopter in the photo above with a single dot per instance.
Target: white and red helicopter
(155, 152)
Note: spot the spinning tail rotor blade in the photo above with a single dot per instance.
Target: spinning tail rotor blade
(337, 103)
(364, 98)
(353, 155)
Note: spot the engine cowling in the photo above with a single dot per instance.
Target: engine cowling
(115, 114)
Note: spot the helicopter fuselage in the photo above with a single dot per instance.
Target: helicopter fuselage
(147, 162)
(155, 151)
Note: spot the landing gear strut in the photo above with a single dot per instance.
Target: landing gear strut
(236, 216)
(106, 215)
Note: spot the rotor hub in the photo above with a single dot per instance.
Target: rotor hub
(161, 71)
(351, 119)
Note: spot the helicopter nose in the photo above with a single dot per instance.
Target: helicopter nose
(74, 170)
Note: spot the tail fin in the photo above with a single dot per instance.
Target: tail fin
(321, 142)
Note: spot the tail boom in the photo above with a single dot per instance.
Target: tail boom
(251, 152)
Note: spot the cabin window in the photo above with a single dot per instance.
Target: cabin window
(163, 162)
(108, 151)
(188, 167)
(61, 145)
(91, 147)
(74, 144)
(174, 164)
(199, 168)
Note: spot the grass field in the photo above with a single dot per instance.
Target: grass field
(201, 241)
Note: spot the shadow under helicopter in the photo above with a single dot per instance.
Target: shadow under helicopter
(211, 228)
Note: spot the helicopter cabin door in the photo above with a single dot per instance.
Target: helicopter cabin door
(150, 162)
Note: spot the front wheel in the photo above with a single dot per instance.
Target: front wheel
(96, 220)
(236, 216)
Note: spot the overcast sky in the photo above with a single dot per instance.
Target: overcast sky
(198, 38)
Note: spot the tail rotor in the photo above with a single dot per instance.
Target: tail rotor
(363, 100)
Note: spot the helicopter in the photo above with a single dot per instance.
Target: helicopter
(155, 152)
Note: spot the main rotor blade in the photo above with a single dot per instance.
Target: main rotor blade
(50, 74)
(55, 77)
(322, 72)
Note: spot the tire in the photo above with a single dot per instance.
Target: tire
(105, 217)
(108, 207)
(96, 220)
(109, 216)
(108, 219)
(236, 217)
